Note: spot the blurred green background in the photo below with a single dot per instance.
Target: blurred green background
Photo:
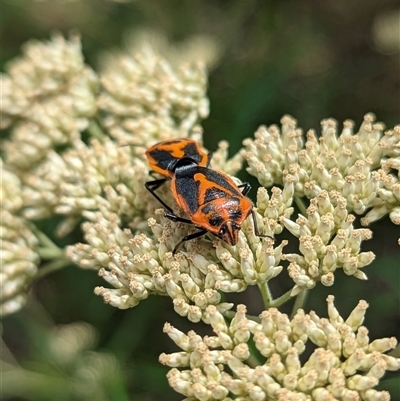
(311, 59)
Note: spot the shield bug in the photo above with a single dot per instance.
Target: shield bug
(213, 202)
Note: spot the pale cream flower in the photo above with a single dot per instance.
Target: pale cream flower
(18, 247)
(328, 241)
(356, 165)
(344, 365)
(85, 178)
(19, 256)
(147, 98)
(67, 342)
(10, 190)
(140, 265)
(220, 160)
(49, 95)
(19, 261)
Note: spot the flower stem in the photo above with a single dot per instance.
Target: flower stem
(252, 361)
(300, 204)
(276, 303)
(299, 302)
(48, 253)
(52, 267)
(47, 249)
(266, 295)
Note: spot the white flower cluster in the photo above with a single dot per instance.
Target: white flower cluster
(345, 365)
(359, 166)
(147, 98)
(140, 265)
(48, 95)
(86, 177)
(327, 241)
(18, 246)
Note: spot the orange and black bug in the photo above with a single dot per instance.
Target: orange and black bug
(213, 202)
(165, 156)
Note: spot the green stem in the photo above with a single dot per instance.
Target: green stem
(44, 239)
(276, 303)
(47, 248)
(51, 253)
(52, 267)
(300, 204)
(252, 361)
(300, 301)
(266, 295)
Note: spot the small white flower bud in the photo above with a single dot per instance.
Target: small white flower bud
(361, 383)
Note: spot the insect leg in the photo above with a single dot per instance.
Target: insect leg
(151, 186)
(176, 218)
(188, 238)
(246, 188)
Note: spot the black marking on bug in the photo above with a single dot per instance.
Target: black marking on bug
(214, 176)
(191, 151)
(214, 193)
(164, 159)
(186, 186)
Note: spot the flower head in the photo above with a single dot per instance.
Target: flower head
(328, 240)
(140, 265)
(147, 97)
(344, 365)
(49, 96)
(356, 165)
(18, 249)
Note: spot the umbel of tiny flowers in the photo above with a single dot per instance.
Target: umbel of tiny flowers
(82, 176)
(327, 241)
(344, 363)
(48, 97)
(19, 256)
(363, 167)
(85, 178)
(23, 248)
(150, 97)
